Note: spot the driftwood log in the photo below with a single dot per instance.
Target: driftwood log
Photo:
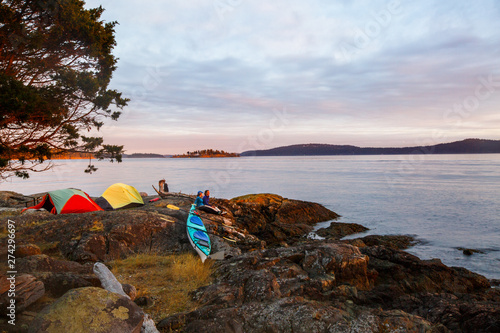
(108, 280)
(164, 195)
(148, 326)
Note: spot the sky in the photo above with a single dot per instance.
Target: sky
(240, 75)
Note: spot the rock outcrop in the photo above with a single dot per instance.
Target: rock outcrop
(397, 242)
(305, 288)
(406, 273)
(460, 300)
(295, 314)
(103, 236)
(255, 221)
(14, 199)
(274, 219)
(45, 263)
(58, 276)
(273, 278)
(89, 310)
(336, 287)
(24, 289)
(338, 230)
(26, 250)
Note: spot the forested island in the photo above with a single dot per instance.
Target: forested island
(68, 155)
(468, 146)
(206, 153)
(144, 155)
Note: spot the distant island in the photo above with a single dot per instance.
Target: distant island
(143, 155)
(468, 146)
(206, 153)
(70, 155)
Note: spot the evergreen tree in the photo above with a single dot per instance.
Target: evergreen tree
(55, 66)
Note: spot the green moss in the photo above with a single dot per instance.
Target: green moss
(38, 223)
(97, 226)
(91, 303)
(262, 199)
(120, 313)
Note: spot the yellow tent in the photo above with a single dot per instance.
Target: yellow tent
(119, 196)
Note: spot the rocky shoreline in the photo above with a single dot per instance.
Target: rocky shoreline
(273, 277)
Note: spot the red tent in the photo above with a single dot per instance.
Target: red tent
(67, 201)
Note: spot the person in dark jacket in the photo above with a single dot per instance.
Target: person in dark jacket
(206, 198)
(207, 206)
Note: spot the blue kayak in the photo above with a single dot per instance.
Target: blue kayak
(197, 234)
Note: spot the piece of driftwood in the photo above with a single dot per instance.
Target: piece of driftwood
(161, 193)
(148, 325)
(108, 280)
(171, 194)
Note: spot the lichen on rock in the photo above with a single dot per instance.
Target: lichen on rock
(89, 309)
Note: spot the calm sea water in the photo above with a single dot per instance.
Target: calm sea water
(447, 201)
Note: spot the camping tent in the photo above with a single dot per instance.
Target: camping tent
(67, 201)
(119, 196)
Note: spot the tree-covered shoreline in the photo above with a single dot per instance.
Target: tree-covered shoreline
(206, 153)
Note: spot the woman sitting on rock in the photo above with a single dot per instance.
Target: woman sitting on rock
(207, 207)
(199, 199)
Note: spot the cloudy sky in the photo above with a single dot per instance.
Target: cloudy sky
(240, 75)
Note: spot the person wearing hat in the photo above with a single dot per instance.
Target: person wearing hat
(199, 199)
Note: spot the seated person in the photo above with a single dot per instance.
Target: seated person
(199, 199)
(206, 198)
(163, 186)
(162, 189)
(207, 207)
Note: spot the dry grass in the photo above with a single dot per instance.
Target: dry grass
(166, 279)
